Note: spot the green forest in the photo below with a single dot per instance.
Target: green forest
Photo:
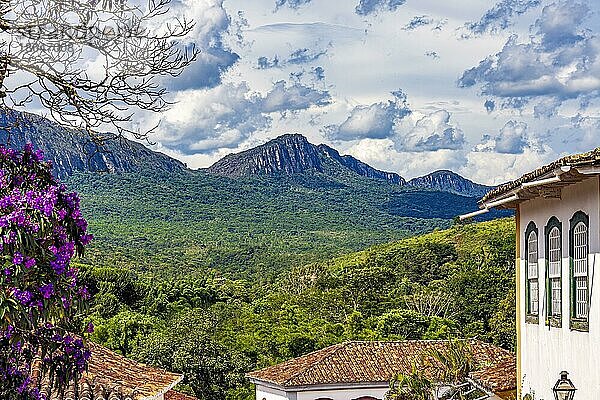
(214, 325)
(174, 224)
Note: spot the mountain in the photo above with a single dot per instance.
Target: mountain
(448, 181)
(257, 213)
(293, 154)
(70, 150)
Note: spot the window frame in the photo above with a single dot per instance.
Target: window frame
(530, 317)
(553, 320)
(578, 324)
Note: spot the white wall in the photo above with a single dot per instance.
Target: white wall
(345, 394)
(267, 393)
(547, 351)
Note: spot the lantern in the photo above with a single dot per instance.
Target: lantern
(564, 389)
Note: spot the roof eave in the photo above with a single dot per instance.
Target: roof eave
(320, 386)
(161, 394)
(542, 186)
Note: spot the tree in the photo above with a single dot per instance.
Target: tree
(188, 345)
(440, 374)
(42, 303)
(44, 45)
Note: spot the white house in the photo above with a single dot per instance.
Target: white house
(558, 241)
(360, 370)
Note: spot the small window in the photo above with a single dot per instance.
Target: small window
(579, 249)
(532, 277)
(554, 272)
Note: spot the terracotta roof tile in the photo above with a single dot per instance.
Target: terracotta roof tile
(499, 377)
(591, 158)
(173, 395)
(373, 362)
(111, 376)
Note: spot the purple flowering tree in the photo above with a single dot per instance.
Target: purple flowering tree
(42, 304)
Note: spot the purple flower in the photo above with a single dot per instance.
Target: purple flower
(83, 292)
(23, 296)
(30, 263)
(47, 290)
(86, 239)
(17, 258)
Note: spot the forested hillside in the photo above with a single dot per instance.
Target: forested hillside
(449, 283)
(175, 224)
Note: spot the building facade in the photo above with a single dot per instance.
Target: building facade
(558, 245)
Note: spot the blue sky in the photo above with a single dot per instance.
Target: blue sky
(488, 90)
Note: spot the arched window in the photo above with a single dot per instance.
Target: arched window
(532, 289)
(579, 257)
(366, 398)
(554, 271)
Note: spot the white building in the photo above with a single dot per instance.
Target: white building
(558, 241)
(363, 370)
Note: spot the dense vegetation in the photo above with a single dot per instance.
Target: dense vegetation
(175, 224)
(449, 283)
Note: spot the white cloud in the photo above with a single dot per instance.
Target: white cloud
(496, 168)
(429, 132)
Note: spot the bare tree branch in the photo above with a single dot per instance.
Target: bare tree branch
(91, 63)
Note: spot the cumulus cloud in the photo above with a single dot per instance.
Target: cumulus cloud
(211, 24)
(367, 7)
(383, 154)
(292, 98)
(513, 138)
(429, 132)
(375, 121)
(497, 168)
(500, 16)
(206, 120)
(559, 23)
(560, 62)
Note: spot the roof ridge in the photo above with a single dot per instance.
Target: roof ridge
(311, 366)
(347, 343)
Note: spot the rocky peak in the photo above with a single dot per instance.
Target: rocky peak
(287, 154)
(449, 181)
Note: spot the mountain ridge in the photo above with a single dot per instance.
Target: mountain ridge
(291, 154)
(449, 181)
(71, 151)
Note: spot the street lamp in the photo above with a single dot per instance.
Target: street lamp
(564, 389)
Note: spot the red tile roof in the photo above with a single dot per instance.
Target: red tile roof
(112, 376)
(173, 395)
(377, 362)
(499, 377)
(591, 158)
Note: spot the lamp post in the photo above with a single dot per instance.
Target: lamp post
(564, 388)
